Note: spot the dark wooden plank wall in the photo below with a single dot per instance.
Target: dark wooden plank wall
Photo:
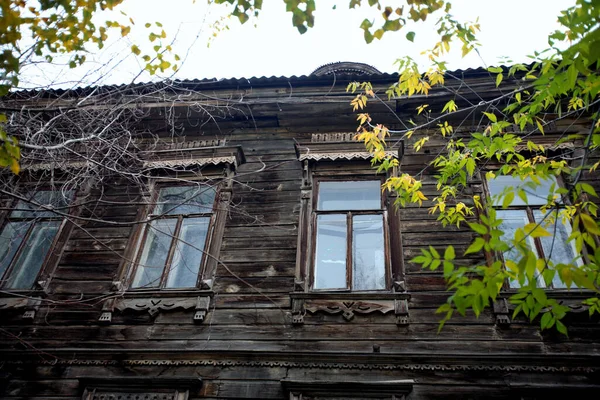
(249, 319)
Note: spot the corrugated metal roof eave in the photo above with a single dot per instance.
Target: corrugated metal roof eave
(214, 84)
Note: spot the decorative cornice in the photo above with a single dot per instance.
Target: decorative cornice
(313, 365)
(63, 165)
(338, 146)
(189, 156)
(333, 137)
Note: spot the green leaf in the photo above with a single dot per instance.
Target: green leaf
(546, 321)
(498, 79)
(495, 70)
(540, 296)
(479, 228)
(434, 252)
(590, 225)
(534, 230)
(571, 76)
(449, 254)
(410, 36)
(540, 126)
(491, 117)
(508, 199)
(448, 268)
(587, 188)
(530, 265)
(476, 246)
(561, 328)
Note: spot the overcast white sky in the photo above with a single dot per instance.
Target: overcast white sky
(511, 28)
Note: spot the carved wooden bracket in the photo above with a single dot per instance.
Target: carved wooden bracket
(502, 312)
(400, 286)
(348, 307)
(29, 305)
(154, 305)
(401, 310)
(299, 285)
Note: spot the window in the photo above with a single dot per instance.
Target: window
(397, 389)
(28, 237)
(173, 244)
(349, 228)
(519, 212)
(139, 387)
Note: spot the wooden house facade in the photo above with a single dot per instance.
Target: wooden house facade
(260, 260)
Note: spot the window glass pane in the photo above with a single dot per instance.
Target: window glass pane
(537, 195)
(511, 221)
(53, 199)
(30, 260)
(154, 255)
(330, 254)
(368, 255)
(185, 200)
(557, 247)
(349, 195)
(188, 253)
(10, 240)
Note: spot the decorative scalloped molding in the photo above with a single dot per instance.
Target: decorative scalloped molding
(363, 155)
(317, 365)
(190, 162)
(56, 165)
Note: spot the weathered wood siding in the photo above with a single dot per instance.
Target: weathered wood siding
(247, 343)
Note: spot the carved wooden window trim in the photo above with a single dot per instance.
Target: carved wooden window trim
(355, 389)
(218, 163)
(138, 388)
(501, 307)
(320, 156)
(156, 300)
(307, 235)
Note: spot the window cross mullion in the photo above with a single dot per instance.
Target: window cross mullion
(349, 250)
(171, 255)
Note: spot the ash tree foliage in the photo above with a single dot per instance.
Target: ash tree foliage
(561, 82)
(40, 31)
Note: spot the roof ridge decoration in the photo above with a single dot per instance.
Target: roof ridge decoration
(346, 68)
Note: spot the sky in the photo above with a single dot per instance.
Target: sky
(509, 28)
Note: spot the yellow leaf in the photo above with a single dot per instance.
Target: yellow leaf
(14, 166)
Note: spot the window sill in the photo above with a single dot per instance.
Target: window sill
(349, 304)
(155, 301)
(573, 293)
(26, 301)
(569, 297)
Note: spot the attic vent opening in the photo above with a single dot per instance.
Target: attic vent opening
(346, 68)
